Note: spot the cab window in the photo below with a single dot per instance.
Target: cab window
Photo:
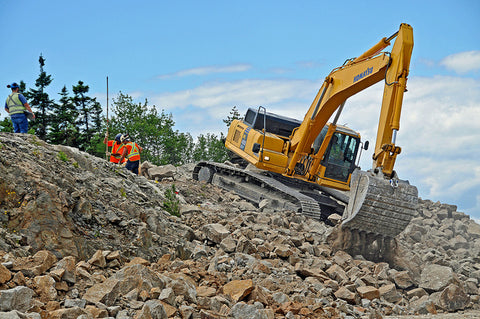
(340, 156)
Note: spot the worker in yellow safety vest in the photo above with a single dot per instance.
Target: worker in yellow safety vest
(131, 151)
(18, 109)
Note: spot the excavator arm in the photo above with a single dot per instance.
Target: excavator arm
(395, 85)
(354, 76)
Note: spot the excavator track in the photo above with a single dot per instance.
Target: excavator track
(374, 205)
(257, 187)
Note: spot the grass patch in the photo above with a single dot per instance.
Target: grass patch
(62, 156)
(171, 203)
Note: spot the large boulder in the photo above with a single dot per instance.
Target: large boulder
(128, 278)
(436, 277)
(18, 298)
(453, 298)
(215, 232)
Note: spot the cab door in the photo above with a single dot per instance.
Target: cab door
(339, 159)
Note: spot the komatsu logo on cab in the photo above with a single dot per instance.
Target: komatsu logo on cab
(360, 76)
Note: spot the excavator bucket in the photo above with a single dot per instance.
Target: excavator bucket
(379, 206)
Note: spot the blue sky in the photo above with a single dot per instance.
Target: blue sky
(198, 59)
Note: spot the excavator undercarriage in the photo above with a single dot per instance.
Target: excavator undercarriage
(257, 188)
(372, 206)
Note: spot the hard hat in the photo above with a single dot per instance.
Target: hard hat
(14, 85)
(118, 137)
(124, 137)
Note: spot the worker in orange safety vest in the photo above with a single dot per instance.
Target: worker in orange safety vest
(117, 148)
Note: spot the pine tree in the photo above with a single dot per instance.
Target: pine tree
(98, 125)
(6, 125)
(63, 128)
(200, 152)
(96, 116)
(234, 115)
(22, 89)
(89, 115)
(40, 99)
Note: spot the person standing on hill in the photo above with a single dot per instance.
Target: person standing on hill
(16, 105)
(117, 148)
(131, 151)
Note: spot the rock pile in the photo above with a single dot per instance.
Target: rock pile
(83, 238)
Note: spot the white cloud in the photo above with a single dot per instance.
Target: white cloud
(243, 94)
(308, 64)
(427, 62)
(207, 70)
(136, 94)
(278, 70)
(462, 62)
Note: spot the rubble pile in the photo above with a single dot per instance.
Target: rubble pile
(84, 238)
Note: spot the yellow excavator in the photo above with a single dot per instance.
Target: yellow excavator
(311, 166)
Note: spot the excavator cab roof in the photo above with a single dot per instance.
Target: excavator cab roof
(273, 123)
(346, 130)
(282, 125)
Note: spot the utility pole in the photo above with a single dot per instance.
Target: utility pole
(106, 145)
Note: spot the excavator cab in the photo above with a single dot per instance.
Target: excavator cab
(339, 159)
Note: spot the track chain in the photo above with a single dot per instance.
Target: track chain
(304, 204)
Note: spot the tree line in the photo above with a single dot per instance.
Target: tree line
(76, 120)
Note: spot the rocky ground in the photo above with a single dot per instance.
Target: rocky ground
(83, 238)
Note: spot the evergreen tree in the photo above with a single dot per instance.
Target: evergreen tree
(22, 89)
(6, 125)
(63, 130)
(97, 117)
(234, 115)
(200, 152)
(40, 99)
(89, 119)
(98, 125)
